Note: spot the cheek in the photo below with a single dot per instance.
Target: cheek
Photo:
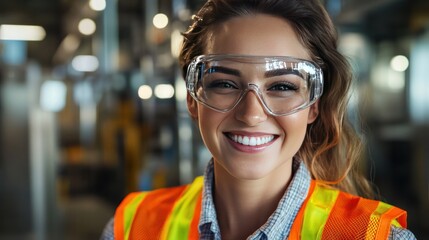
(209, 121)
(205, 120)
(295, 126)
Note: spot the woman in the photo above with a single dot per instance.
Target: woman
(268, 90)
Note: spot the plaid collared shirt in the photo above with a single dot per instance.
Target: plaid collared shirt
(279, 223)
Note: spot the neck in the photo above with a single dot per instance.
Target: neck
(243, 206)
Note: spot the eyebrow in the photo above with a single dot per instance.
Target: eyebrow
(267, 74)
(282, 71)
(225, 70)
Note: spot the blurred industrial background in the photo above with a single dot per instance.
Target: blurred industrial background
(92, 106)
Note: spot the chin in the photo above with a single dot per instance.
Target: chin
(250, 172)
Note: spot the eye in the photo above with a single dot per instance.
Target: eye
(283, 86)
(221, 84)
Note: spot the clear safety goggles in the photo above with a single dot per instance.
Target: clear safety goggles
(284, 85)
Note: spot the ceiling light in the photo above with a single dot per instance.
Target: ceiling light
(160, 20)
(164, 91)
(87, 26)
(22, 32)
(145, 92)
(97, 5)
(399, 63)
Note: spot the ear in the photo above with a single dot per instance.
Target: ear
(192, 106)
(313, 113)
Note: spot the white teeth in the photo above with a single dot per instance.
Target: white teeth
(251, 141)
(246, 140)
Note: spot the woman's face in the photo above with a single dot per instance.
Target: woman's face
(253, 35)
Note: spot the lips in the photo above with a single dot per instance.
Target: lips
(251, 140)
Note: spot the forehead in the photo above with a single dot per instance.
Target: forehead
(259, 34)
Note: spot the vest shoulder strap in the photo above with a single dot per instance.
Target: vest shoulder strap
(329, 213)
(160, 214)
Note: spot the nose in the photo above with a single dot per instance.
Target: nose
(250, 110)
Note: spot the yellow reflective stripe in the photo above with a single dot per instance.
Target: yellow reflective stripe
(373, 223)
(383, 208)
(317, 211)
(179, 221)
(130, 211)
(396, 224)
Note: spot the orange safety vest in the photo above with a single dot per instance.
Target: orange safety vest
(327, 213)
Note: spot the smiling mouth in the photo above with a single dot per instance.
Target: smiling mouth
(251, 140)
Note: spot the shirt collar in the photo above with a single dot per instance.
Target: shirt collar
(208, 211)
(280, 222)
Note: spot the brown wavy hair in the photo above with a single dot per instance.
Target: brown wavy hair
(331, 147)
